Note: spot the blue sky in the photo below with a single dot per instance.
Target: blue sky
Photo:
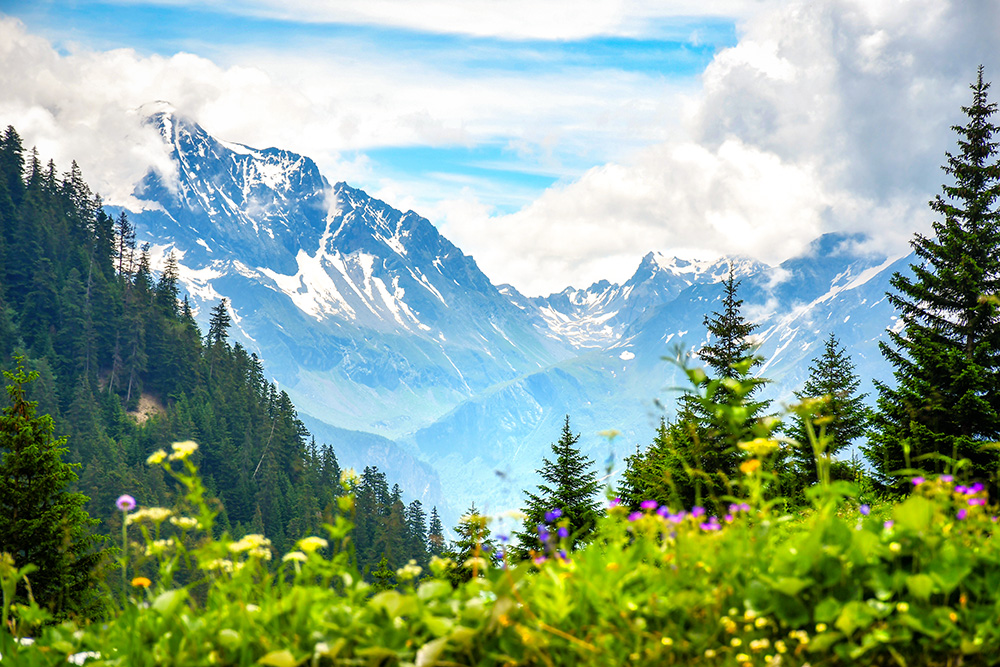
(557, 142)
(675, 49)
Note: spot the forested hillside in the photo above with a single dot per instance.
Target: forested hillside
(124, 371)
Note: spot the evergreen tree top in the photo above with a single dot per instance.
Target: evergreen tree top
(729, 333)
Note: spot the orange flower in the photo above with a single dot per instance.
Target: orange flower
(141, 582)
(749, 466)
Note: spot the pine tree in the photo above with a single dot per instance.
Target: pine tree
(41, 522)
(435, 534)
(570, 486)
(842, 413)
(471, 544)
(416, 534)
(946, 358)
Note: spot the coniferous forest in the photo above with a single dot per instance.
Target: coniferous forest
(741, 534)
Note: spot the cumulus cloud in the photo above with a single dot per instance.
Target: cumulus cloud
(827, 115)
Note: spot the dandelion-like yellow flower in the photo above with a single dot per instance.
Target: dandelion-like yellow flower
(156, 457)
(750, 466)
(182, 450)
(759, 446)
(312, 543)
(141, 582)
(666, 641)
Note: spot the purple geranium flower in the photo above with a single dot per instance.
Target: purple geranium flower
(711, 524)
(648, 504)
(917, 481)
(865, 509)
(697, 511)
(947, 479)
(552, 515)
(563, 532)
(635, 516)
(962, 513)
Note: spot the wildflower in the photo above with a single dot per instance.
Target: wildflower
(296, 556)
(962, 513)
(917, 481)
(865, 509)
(409, 571)
(615, 502)
(221, 564)
(888, 524)
(184, 522)
(742, 657)
(895, 547)
(156, 457)
(760, 622)
(666, 641)
(440, 565)
(158, 547)
(780, 646)
(182, 450)
(125, 503)
(977, 501)
(709, 653)
(552, 515)
(141, 582)
(312, 543)
(155, 514)
(348, 477)
(538, 560)
(697, 511)
(902, 607)
(250, 543)
(711, 524)
(82, 657)
(735, 641)
(947, 479)
(759, 446)
(563, 532)
(749, 466)
(635, 516)
(543, 533)
(821, 627)
(649, 504)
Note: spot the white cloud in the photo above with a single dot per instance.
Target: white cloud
(827, 115)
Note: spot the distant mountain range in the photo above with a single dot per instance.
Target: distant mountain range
(400, 352)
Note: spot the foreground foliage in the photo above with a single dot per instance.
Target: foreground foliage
(912, 582)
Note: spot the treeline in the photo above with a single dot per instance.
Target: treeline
(81, 305)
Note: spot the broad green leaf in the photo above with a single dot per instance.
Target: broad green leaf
(429, 652)
(282, 658)
(790, 610)
(827, 610)
(855, 615)
(167, 602)
(915, 513)
(921, 586)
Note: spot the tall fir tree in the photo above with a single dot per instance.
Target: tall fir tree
(570, 486)
(946, 357)
(435, 534)
(41, 521)
(473, 549)
(841, 414)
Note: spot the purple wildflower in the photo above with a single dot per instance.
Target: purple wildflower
(635, 516)
(552, 515)
(648, 504)
(563, 532)
(888, 524)
(615, 502)
(917, 481)
(543, 532)
(125, 503)
(697, 511)
(486, 547)
(947, 479)
(977, 501)
(503, 538)
(976, 488)
(961, 489)
(711, 524)
(676, 518)
(962, 513)
(664, 511)
(538, 560)
(728, 518)
(562, 555)
(865, 509)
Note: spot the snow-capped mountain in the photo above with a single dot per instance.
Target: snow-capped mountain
(399, 351)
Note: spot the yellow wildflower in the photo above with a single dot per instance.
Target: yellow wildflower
(141, 582)
(749, 466)
(312, 543)
(156, 457)
(182, 450)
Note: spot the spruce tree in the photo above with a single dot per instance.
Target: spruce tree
(41, 521)
(841, 414)
(946, 357)
(435, 534)
(472, 542)
(570, 486)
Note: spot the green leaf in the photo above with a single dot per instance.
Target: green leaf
(434, 589)
(790, 610)
(921, 586)
(790, 585)
(429, 652)
(854, 616)
(915, 513)
(282, 658)
(827, 610)
(167, 602)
